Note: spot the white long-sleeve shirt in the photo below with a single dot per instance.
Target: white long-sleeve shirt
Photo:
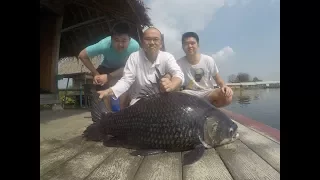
(139, 70)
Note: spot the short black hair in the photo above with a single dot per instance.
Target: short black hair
(190, 34)
(120, 29)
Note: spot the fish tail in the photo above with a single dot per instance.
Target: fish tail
(93, 133)
(97, 106)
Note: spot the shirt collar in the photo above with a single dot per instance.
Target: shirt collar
(157, 62)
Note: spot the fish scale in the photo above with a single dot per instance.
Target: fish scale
(163, 121)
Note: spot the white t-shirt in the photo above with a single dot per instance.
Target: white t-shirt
(199, 76)
(139, 70)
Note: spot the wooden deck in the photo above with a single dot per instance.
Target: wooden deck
(64, 155)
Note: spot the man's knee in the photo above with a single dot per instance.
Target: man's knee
(218, 99)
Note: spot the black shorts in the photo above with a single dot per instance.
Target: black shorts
(104, 70)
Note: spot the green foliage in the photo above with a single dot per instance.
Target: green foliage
(68, 100)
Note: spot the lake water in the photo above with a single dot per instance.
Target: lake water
(258, 104)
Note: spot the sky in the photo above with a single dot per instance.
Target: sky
(241, 35)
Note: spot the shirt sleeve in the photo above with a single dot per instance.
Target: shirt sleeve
(95, 49)
(128, 78)
(173, 68)
(133, 46)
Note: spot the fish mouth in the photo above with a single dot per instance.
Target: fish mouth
(237, 135)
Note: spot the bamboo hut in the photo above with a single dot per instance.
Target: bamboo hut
(67, 26)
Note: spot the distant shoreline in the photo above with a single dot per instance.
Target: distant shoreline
(242, 88)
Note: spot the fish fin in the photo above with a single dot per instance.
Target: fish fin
(152, 88)
(97, 106)
(147, 152)
(93, 133)
(194, 155)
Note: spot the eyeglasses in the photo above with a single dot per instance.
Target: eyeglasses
(149, 40)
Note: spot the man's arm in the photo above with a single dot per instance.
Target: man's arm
(215, 72)
(175, 71)
(219, 80)
(129, 76)
(83, 56)
(90, 51)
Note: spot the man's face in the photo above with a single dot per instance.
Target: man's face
(120, 42)
(190, 46)
(152, 41)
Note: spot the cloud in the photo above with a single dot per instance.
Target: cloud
(173, 17)
(223, 54)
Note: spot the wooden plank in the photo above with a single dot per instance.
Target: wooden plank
(210, 166)
(63, 125)
(82, 164)
(62, 154)
(166, 166)
(266, 148)
(243, 163)
(120, 166)
(49, 145)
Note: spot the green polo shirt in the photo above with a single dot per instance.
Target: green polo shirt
(112, 58)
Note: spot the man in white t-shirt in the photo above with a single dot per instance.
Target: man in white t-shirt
(199, 72)
(141, 67)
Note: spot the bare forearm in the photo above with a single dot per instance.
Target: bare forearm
(219, 80)
(86, 61)
(220, 83)
(176, 82)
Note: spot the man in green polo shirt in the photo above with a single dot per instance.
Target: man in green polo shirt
(115, 50)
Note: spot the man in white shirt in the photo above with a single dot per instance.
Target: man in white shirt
(141, 67)
(199, 72)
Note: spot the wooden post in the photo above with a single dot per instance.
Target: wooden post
(55, 59)
(55, 51)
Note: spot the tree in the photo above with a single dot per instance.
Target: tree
(255, 79)
(232, 78)
(243, 77)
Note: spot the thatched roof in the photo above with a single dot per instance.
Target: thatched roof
(87, 21)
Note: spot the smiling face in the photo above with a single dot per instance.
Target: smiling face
(152, 41)
(190, 46)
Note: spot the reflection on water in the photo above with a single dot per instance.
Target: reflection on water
(259, 104)
(243, 99)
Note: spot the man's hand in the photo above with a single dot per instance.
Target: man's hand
(166, 85)
(227, 91)
(100, 79)
(105, 93)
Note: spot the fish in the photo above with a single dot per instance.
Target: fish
(163, 122)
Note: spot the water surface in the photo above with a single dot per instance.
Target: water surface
(258, 104)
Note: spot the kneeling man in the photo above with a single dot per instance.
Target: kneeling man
(199, 71)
